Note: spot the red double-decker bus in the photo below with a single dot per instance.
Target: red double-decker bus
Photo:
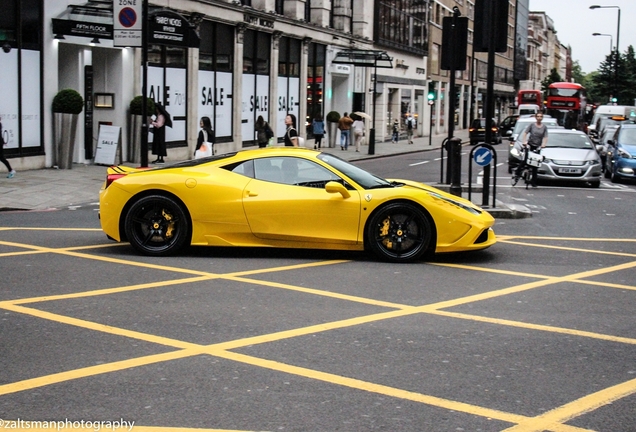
(530, 97)
(566, 102)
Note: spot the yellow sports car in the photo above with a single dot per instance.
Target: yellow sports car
(289, 198)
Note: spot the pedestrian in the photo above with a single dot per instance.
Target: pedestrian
(344, 124)
(318, 127)
(206, 134)
(358, 131)
(262, 132)
(159, 134)
(396, 131)
(2, 158)
(291, 136)
(410, 125)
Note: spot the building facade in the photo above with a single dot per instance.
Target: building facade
(239, 60)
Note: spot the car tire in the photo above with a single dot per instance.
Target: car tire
(400, 232)
(157, 225)
(614, 178)
(606, 172)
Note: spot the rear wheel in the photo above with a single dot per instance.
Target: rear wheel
(400, 232)
(157, 225)
(614, 178)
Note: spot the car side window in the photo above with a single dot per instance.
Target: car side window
(244, 168)
(293, 171)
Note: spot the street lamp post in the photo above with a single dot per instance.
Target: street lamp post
(618, 35)
(611, 55)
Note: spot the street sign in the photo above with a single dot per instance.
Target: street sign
(128, 24)
(482, 156)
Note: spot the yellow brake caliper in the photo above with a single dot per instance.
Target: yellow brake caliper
(170, 227)
(384, 232)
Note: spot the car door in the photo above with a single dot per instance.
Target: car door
(287, 201)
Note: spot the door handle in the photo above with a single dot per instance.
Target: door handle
(251, 194)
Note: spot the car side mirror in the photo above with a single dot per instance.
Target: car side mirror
(610, 142)
(335, 187)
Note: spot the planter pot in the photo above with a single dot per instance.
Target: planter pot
(332, 129)
(65, 130)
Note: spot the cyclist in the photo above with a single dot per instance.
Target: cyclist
(535, 137)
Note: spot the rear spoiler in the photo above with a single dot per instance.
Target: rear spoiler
(115, 172)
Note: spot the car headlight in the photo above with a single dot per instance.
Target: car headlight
(515, 152)
(592, 162)
(470, 209)
(546, 160)
(624, 154)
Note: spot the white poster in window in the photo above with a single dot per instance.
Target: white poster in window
(224, 104)
(9, 100)
(247, 108)
(281, 107)
(107, 144)
(207, 96)
(175, 103)
(31, 133)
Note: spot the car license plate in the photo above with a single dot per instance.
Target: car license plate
(570, 170)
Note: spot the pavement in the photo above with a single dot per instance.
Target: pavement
(51, 188)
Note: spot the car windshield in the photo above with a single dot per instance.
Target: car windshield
(627, 136)
(569, 140)
(358, 175)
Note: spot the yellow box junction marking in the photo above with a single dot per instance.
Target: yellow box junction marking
(552, 420)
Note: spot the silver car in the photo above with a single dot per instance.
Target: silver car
(570, 156)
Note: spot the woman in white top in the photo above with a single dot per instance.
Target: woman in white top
(358, 131)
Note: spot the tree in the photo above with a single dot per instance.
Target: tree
(626, 84)
(552, 78)
(604, 79)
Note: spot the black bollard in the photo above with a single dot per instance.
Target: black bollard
(455, 165)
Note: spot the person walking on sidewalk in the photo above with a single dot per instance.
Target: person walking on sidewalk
(2, 158)
(410, 125)
(396, 132)
(318, 127)
(358, 131)
(159, 133)
(206, 134)
(344, 124)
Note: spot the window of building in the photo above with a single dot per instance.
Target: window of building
(401, 24)
(246, 2)
(288, 82)
(308, 10)
(216, 53)
(167, 84)
(256, 97)
(435, 52)
(280, 7)
(315, 80)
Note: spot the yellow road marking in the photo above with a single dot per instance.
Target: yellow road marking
(594, 251)
(552, 420)
(564, 413)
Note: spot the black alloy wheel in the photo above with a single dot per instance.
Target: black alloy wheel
(400, 232)
(157, 225)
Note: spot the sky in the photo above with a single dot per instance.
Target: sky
(575, 22)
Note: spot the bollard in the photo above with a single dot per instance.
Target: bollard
(455, 165)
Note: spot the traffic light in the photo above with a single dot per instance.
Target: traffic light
(432, 95)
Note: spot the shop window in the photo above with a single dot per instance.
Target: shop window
(402, 24)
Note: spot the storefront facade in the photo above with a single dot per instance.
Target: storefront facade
(265, 58)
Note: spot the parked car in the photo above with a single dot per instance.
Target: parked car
(570, 155)
(477, 132)
(287, 198)
(621, 154)
(507, 124)
(602, 146)
(516, 134)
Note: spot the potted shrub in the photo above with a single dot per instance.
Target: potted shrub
(134, 150)
(332, 126)
(67, 104)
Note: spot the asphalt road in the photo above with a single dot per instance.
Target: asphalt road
(536, 333)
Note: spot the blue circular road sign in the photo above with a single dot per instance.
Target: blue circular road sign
(482, 156)
(127, 17)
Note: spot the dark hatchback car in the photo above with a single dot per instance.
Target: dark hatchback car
(477, 132)
(620, 163)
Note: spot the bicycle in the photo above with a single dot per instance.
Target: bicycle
(533, 160)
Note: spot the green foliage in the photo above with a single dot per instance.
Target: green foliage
(135, 105)
(622, 85)
(333, 116)
(552, 78)
(68, 101)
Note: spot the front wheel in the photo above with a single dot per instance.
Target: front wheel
(157, 225)
(400, 232)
